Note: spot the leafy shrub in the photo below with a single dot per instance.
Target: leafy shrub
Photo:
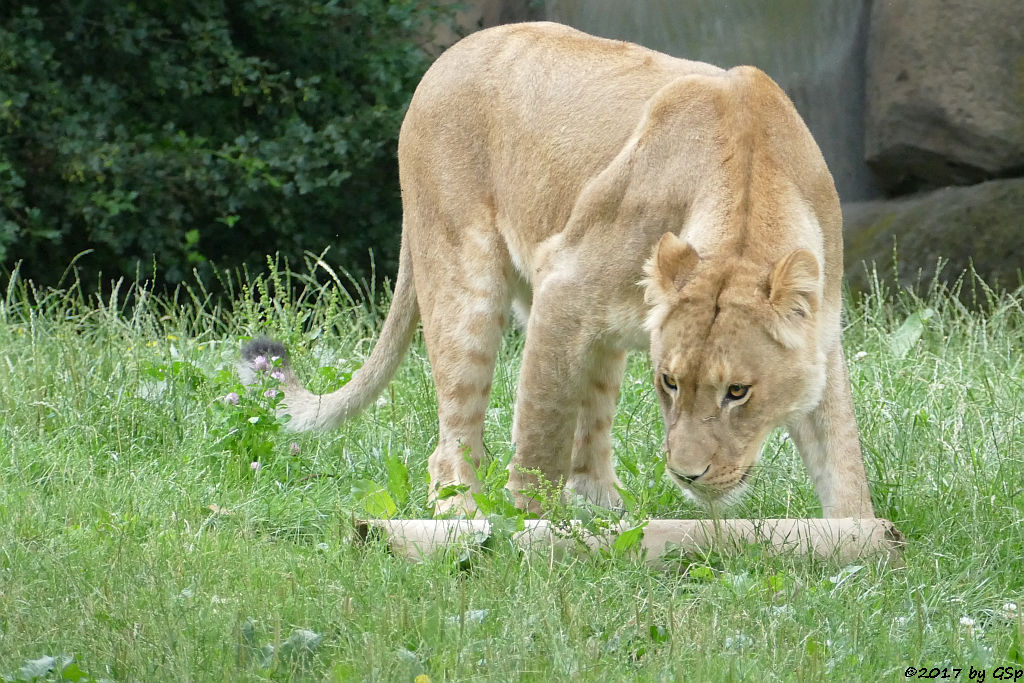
(164, 135)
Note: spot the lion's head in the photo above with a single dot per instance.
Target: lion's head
(735, 353)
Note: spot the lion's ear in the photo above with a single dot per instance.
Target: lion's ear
(793, 294)
(670, 267)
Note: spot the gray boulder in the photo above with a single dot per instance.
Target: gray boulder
(945, 92)
(981, 225)
(814, 49)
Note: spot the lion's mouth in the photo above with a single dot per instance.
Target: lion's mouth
(706, 490)
(682, 481)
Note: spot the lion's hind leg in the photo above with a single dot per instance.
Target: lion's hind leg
(465, 308)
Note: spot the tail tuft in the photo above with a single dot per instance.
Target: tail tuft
(266, 347)
(312, 411)
(259, 347)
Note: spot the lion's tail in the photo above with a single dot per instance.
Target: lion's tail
(311, 411)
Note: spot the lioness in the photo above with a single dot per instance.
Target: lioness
(614, 198)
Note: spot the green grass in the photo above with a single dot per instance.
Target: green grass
(136, 538)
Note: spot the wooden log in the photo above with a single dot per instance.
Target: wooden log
(840, 540)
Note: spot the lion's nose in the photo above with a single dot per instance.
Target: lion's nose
(689, 478)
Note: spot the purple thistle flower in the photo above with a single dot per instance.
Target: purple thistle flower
(260, 364)
(232, 398)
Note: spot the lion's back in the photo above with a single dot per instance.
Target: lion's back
(515, 108)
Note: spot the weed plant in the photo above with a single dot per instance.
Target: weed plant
(158, 522)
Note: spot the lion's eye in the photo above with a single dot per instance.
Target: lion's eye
(669, 384)
(737, 392)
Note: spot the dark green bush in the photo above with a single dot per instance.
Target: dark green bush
(165, 135)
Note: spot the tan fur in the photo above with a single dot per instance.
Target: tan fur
(616, 198)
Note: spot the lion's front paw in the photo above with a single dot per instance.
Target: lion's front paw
(597, 490)
(460, 505)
